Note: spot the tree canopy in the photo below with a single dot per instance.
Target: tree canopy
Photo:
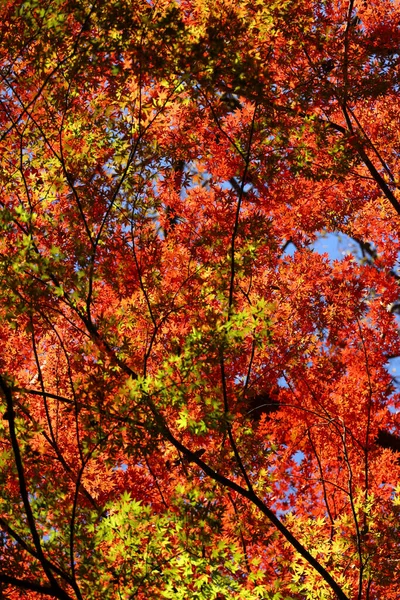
(195, 402)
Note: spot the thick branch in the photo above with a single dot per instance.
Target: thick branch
(24, 491)
(250, 495)
(25, 584)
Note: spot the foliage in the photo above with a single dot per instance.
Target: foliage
(194, 399)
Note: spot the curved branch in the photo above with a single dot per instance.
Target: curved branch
(24, 491)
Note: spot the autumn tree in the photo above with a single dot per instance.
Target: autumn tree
(196, 404)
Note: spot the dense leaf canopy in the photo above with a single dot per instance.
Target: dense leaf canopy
(195, 403)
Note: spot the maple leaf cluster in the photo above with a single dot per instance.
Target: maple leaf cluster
(196, 403)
